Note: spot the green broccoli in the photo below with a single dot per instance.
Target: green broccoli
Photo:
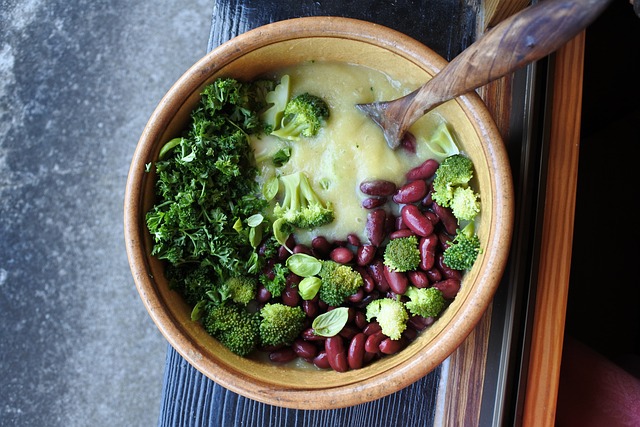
(425, 302)
(277, 98)
(280, 324)
(241, 289)
(391, 315)
(402, 254)
(276, 284)
(304, 115)
(338, 282)
(301, 206)
(192, 282)
(454, 171)
(464, 203)
(441, 143)
(234, 326)
(463, 250)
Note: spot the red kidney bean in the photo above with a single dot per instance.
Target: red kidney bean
(428, 199)
(399, 224)
(365, 254)
(310, 308)
(373, 295)
(375, 226)
(424, 171)
(434, 275)
(341, 255)
(418, 279)
(432, 217)
(369, 284)
(263, 295)
(410, 334)
(373, 202)
(445, 240)
(355, 355)
(372, 328)
(372, 344)
(321, 360)
(390, 223)
(283, 252)
(336, 353)
(398, 282)
(304, 349)
(416, 221)
(376, 269)
(411, 192)
(447, 272)
(378, 187)
(353, 239)
(321, 246)
(427, 247)
(290, 295)
(405, 232)
(419, 323)
(447, 219)
(449, 287)
(283, 355)
(349, 331)
(302, 249)
(389, 346)
(360, 319)
(309, 335)
(357, 297)
(408, 142)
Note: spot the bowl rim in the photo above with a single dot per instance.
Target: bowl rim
(386, 382)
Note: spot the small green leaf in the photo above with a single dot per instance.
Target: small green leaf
(304, 265)
(330, 323)
(278, 231)
(238, 225)
(168, 147)
(198, 311)
(255, 236)
(270, 188)
(255, 220)
(309, 287)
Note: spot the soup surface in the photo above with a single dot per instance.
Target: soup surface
(350, 148)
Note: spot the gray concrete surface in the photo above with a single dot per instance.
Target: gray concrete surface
(78, 81)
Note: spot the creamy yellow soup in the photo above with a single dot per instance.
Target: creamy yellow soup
(350, 148)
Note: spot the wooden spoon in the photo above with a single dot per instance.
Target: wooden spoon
(523, 38)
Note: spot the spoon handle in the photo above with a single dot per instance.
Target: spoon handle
(517, 41)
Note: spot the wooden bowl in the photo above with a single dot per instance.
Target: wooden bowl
(270, 48)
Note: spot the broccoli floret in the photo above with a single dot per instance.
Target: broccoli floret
(277, 98)
(402, 254)
(391, 314)
(234, 326)
(276, 281)
(464, 203)
(425, 302)
(280, 324)
(338, 282)
(304, 115)
(441, 142)
(301, 206)
(241, 289)
(454, 171)
(193, 283)
(463, 250)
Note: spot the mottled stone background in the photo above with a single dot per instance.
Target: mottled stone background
(78, 81)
